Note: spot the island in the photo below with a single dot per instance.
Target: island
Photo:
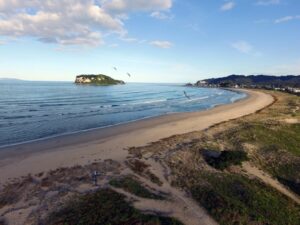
(101, 80)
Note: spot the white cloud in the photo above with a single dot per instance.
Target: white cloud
(136, 5)
(227, 6)
(162, 44)
(268, 2)
(70, 22)
(161, 15)
(242, 46)
(286, 19)
(129, 39)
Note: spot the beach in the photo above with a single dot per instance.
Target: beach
(112, 142)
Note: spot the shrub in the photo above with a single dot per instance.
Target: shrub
(226, 159)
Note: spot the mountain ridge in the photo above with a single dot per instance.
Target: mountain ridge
(257, 80)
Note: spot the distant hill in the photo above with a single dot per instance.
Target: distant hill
(257, 80)
(101, 80)
(10, 79)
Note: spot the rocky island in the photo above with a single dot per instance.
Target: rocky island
(101, 80)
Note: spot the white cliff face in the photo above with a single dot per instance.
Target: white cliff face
(83, 80)
(86, 80)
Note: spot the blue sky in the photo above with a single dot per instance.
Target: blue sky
(154, 40)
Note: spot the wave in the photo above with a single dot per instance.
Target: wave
(17, 117)
(197, 99)
(154, 101)
(50, 105)
(130, 104)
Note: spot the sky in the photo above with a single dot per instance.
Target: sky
(174, 41)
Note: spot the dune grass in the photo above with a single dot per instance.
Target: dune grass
(278, 135)
(235, 199)
(133, 186)
(103, 207)
(271, 143)
(276, 142)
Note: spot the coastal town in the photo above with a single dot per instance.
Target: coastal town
(240, 81)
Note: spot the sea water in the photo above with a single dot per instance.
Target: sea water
(35, 110)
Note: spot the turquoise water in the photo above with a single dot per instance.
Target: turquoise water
(34, 110)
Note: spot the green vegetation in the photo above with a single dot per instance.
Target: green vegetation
(275, 143)
(131, 185)
(226, 159)
(277, 136)
(235, 199)
(104, 207)
(271, 140)
(279, 150)
(101, 80)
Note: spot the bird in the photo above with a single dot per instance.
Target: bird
(115, 68)
(185, 94)
(129, 74)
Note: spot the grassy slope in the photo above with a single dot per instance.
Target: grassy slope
(235, 199)
(276, 143)
(104, 207)
(231, 197)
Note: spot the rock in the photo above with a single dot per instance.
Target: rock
(189, 85)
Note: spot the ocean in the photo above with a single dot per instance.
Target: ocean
(36, 110)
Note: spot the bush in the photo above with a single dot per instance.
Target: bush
(226, 159)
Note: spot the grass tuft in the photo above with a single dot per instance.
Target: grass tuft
(132, 186)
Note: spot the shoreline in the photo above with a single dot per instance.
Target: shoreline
(109, 143)
(15, 145)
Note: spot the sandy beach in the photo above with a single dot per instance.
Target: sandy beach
(112, 142)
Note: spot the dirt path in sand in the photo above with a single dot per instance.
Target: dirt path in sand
(267, 179)
(177, 205)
